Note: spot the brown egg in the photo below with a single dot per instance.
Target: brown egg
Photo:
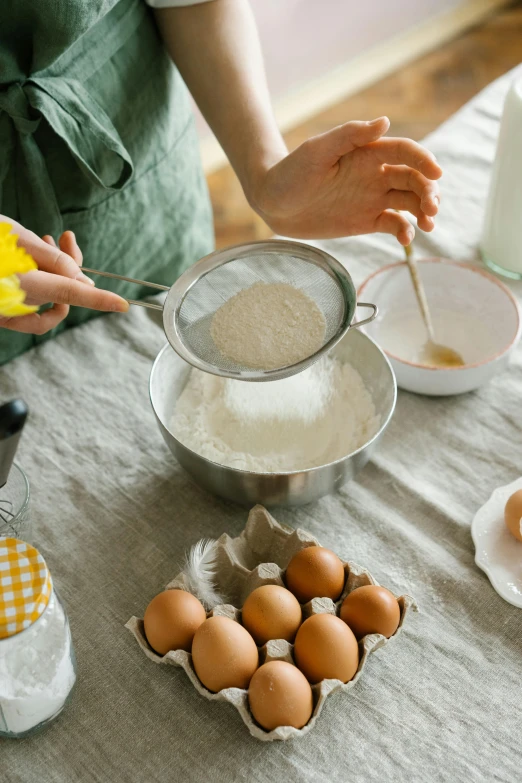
(513, 515)
(279, 695)
(171, 620)
(224, 654)
(371, 609)
(315, 572)
(271, 612)
(324, 650)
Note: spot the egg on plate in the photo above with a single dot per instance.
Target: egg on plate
(513, 515)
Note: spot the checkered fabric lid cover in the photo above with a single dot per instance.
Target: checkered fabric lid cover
(25, 586)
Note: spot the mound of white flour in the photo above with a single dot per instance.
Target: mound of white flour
(310, 419)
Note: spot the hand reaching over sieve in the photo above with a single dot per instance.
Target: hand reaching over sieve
(349, 181)
(58, 280)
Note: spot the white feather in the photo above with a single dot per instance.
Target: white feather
(200, 572)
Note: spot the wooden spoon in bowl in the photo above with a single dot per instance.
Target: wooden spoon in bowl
(432, 354)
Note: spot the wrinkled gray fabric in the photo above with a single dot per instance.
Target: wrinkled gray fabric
(114, 514)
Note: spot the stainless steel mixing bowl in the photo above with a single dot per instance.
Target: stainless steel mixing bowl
(168, 378)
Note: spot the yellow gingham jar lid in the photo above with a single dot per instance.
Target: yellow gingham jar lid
(25, 586)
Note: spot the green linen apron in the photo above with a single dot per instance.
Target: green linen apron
(97, 136)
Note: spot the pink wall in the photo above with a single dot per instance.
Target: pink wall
(304, 39)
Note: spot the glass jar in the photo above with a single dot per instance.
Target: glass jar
(37, 664)
(14, 505)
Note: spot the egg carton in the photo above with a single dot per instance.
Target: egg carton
(259, 556)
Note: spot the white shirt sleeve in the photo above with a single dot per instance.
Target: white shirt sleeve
(174, 3)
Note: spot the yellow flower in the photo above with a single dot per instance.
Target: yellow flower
(13, 261)
(12, 298)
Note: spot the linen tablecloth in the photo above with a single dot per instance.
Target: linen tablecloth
(113, 514)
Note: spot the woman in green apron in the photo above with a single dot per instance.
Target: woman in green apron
(97, 140)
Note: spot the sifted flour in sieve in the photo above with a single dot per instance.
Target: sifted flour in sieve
(268, 326)
(310, 419)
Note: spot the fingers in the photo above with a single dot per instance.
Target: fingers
(58, 280)
(44, 287)
(339, 141)
(49, 257)
(410, 202)
(407, 152)
(405, 178)
(396, 224)
(37, 323)
(69, 245)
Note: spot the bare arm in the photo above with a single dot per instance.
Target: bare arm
(216, 48)
(349, 180)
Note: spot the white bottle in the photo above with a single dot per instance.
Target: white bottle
(501, 244)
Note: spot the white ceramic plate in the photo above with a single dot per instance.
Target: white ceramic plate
(472, 312)
(497, 552)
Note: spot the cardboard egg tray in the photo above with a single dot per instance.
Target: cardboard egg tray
(259, 556)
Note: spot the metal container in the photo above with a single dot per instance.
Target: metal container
(168, 378)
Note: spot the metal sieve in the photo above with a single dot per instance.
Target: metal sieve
(195, 297)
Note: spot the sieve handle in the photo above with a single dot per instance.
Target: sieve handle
(370, 318)
(150, 305)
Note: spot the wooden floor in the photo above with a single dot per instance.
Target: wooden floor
(417, 99)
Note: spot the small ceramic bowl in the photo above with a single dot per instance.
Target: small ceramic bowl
(472, 312)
